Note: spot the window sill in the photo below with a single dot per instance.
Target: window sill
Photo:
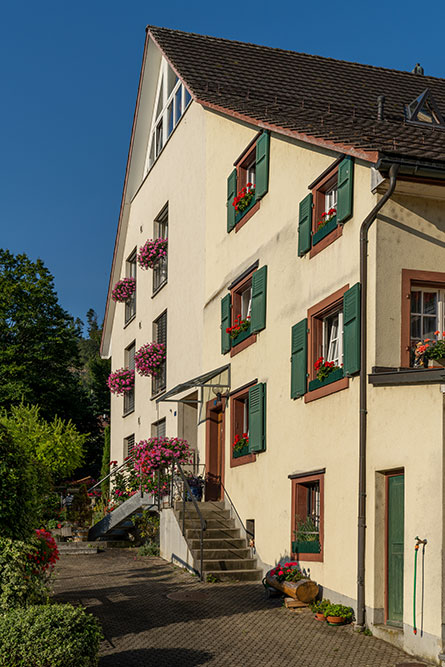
(247, 342)
(158, 289)
(241, 460)
(159, 393)
(402, 376)
(326, 390)
(129, 321)
(314, 558)
(332, 377)
(246, 215)
(129, 412)
(326, 241)
(324, 231)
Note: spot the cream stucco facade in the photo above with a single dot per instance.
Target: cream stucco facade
(405, 422)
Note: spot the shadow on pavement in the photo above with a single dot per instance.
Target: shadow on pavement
(156, 657)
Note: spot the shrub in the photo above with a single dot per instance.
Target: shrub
(21, 582)
(57, 635)
(319, 606)
(149, 549)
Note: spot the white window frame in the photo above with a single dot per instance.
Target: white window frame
(440, 316)
(330, 199)
(162, 117)
(328, 343)
(245, 311)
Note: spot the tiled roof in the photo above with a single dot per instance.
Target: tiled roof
(326, 99)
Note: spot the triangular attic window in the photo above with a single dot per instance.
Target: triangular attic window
(424, 111)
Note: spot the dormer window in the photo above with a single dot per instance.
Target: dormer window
(172, 99)
(424, 111)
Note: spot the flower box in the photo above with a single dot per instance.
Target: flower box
(237, 453)
(332, 377)
(241, 336)
(241, 214)
(306, 547)
(325, 230)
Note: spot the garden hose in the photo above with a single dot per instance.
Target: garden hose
(416, 551)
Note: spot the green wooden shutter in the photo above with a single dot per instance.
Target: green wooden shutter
(259, 294)
(257, 418)
(226, 306)
(298, 383)
(395, 547)
(305, 225)
(262, 165)
(231, 193)
(351, 330)
(345, 189)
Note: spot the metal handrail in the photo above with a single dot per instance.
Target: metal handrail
(226, 493)
(187, 492)
(112, 472)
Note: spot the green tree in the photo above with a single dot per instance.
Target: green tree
(95, 369)
(39, 343)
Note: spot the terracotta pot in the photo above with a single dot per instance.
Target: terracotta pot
(320, 617)
(335, 620)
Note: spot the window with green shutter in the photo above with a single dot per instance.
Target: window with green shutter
(345, 189)
(262, 165)
(257, 418)
(299, 359)
(305, 225)
(226, 308)
(259, 294)
(351, 330)
(231, 194)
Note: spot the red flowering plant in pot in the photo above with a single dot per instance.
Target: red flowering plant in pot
(324, 368)
(123, 289)
(287, 572)
(46, 553)
(121, 381)
(152, 252)
(244, 198)
(238, 327)
(149, 359)
(240, 442)
(326, 217)
(430, 352)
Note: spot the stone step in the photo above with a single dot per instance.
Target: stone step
(214, 504)
(206, 514)
(211, 524)
(212, 533)
(227, 543)
(79, 548)
(220, 554)
(229, 564)
(235, 575)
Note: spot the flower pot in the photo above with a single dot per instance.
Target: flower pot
(320, 617)
(436, 363)
(241, 452)
(306, 547)
(338, 374)
(335, 620)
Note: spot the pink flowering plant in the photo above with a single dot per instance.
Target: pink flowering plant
(124, 289)
(46, 553)
(149, 359)
(152, 252)
(158, 454)
(287, 572)
(121, 381)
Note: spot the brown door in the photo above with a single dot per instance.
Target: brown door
(214, 453)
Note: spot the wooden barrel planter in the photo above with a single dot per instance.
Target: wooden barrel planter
(304, 590)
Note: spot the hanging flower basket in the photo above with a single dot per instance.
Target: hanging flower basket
(149, 359)
(121, 381)
(124, 289)
(152, 252)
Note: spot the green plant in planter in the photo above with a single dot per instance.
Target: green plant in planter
(319, 606)
(307, 530)
(340, 611)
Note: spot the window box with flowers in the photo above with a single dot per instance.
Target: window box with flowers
(149, 360)
(124, 289)
(152, 252)
(430, 352)
(244, 201)
(240, 446)
(327, 372)
(240, 330)
(325, 225)
(121, 381)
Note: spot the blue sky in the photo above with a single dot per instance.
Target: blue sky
(69, 76)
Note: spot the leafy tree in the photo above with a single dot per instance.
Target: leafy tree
(39, 343)
(95, 369)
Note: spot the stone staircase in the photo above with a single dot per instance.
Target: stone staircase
(115, 526)
(226, 555)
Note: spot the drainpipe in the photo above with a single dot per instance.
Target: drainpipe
(364, 229)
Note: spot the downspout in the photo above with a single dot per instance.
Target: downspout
(364, 229)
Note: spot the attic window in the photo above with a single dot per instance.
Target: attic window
(424, 111)
(172, 99)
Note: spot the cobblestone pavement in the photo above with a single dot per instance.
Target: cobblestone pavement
(233, 626)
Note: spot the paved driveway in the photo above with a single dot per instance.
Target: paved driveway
(231, 625)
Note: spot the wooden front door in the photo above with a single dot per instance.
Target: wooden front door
(214, 453)
(395, 499)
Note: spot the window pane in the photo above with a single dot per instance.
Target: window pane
(415, 327)
(416, 300)
(246, 298)
(430, 303)
(170, 119)
(187, 98)
(159, 138)
(429, 327)
(178, 98)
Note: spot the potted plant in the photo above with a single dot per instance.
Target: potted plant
(287, 572)
(240, 446)
(307, 537)
(325, 225)
(150, 358)
(124, 289)
(239, 326)
(318, 607)
(326, 372)
(244, 199)
(153, 251)
(338, 614)
(121, 381)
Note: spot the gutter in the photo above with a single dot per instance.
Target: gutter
(364, 229)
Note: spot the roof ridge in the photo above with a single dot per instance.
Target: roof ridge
(421, 77)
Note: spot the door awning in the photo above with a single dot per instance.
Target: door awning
(200, 382)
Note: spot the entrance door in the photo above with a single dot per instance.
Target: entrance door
(395, 548)
(214, 453)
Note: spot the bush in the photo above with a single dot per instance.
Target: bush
(21, 583)
(56, 635)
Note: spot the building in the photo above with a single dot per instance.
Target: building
(360, 287)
